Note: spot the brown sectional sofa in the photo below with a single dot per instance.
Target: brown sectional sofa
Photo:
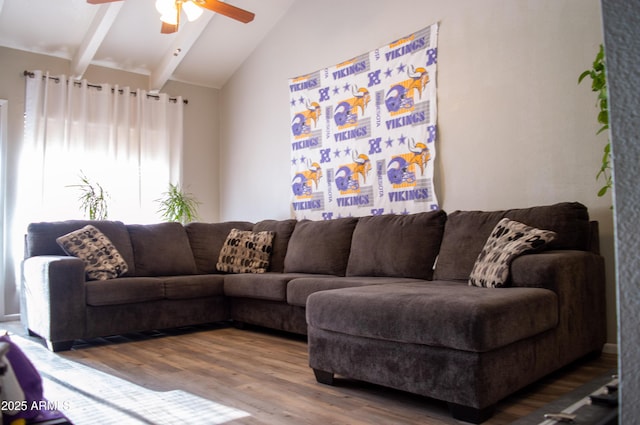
(383, 298)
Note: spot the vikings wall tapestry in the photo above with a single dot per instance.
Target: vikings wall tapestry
(363, 132)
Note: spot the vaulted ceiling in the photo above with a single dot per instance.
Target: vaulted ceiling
(126, 35)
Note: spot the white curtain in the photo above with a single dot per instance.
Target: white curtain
(130, 144)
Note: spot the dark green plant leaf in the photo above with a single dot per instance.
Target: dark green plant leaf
(599, 85)
(584, 74)
(603, 117)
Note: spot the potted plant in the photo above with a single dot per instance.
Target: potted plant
(599, 85)
(93, 198)
(178, 205)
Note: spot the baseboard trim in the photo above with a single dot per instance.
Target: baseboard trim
(10, 317)
(610, 348)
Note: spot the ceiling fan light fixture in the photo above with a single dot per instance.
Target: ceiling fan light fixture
(167, 8)
(171, 19)
(192, 10)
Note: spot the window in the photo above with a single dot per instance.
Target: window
(129, 144)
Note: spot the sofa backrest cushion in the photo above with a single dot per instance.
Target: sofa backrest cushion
(282, 230)
(41, 238)
(396, 245)
(207, 239)
(466, 232)
(320, 247)
(161, 249)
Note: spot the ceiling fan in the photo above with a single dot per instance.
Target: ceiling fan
(170, 11)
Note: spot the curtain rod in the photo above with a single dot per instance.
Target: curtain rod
(99, 87)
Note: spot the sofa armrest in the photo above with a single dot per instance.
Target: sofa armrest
(52, 298)
(578, 278)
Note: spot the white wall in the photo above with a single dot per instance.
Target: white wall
(514, 127)
(201, 146)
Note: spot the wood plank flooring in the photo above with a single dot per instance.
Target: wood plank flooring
(266, 374)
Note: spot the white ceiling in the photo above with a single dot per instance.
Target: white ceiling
(126, 35)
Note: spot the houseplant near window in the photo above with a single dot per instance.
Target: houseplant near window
(93, 198)
(599, 86)
(178, 205)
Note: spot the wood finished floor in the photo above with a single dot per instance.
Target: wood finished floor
(266, 374)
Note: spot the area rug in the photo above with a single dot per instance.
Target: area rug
(88, 396)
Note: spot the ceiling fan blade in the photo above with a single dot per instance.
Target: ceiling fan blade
(226, 10)
(168, 28)
(100, 1)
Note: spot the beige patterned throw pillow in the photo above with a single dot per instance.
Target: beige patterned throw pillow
(245, 252)
(101, 258)
(508, 240)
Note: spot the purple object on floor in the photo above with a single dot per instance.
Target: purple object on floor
(33, 408)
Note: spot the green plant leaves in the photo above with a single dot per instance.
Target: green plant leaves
(176, 205)
(598, 76)
(93, 198)
(584, 74)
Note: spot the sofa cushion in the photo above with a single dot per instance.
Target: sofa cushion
(41, 238)
(101, 259)
(396, 245)
(194, 286)
(161, 249)
(282, 230)
(466, 232)
(508, 240)
(263, 286)
(207, 239)
(124, 290)
(245, 251)
(320, 247)
(299, 289)
(439, 313)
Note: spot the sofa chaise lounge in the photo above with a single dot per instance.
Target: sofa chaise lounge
(385, 299)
